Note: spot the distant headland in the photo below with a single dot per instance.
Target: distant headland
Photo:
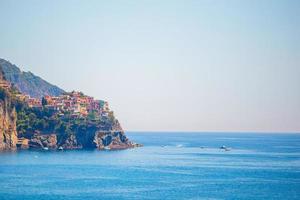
(35, 114)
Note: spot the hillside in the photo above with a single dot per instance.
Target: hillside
(58, 121)
(27, 82)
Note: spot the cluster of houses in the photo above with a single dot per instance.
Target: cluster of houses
(75, 103)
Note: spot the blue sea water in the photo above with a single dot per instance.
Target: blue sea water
(169, 166)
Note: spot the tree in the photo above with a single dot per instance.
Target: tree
(61, 128)
(32, 117)
(41, 124)
(44, 101)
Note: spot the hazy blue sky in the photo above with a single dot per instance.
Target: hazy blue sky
(167, 65)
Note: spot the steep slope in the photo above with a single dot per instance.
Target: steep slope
(27, 82)
(23, 126)
(42, 128)
(8, 117)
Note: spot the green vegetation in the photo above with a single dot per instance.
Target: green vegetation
(44, 101)
(46, 121)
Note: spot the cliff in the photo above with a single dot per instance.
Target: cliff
(47, 128)
(27, 82)
(83, 137)
(69, 121)
(59, 133)
(8, 117)
(94, 137)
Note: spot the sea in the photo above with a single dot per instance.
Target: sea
(170, 165)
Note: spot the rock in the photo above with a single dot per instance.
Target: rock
(23, 143)
(43, 141)
(112, 140)
(8, 117)
(71, 143)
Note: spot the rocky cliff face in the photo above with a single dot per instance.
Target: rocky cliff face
(43, 141)
(69, 133)
(112, 140)
(84, 136)
(90, 139)
(8, 117)
(8, 132)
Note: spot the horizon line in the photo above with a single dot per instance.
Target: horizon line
(242, 132)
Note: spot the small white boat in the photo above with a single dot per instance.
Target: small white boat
(225, 148)
(46, 148)
(61, 148)
(107, 148)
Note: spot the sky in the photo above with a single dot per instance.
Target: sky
(205, 65)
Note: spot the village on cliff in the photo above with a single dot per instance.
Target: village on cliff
(76, 104)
